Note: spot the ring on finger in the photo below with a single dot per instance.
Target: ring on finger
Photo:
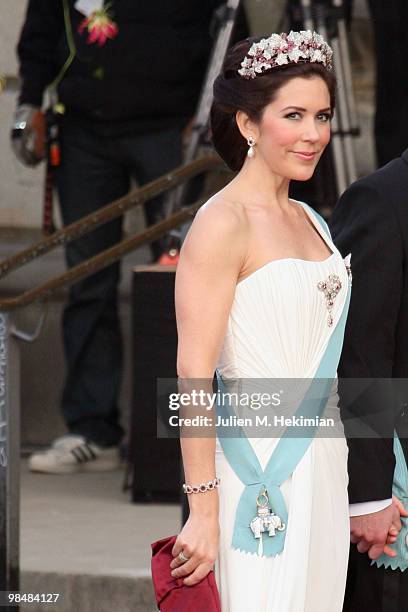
(183, 557)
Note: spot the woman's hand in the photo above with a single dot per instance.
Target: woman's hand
(400, 506)
(393, 530)
(199, 542)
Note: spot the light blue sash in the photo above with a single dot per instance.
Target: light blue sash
(400, 490)
(286, 456)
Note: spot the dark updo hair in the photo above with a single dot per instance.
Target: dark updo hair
(232, 92)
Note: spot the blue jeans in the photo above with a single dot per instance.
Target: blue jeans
(96, 169)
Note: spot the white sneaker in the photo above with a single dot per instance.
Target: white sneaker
(72, 453)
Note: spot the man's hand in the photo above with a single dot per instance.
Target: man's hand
(400, 506)
(28, 135)
(374, 532)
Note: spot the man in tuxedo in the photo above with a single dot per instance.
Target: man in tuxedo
(371, 222)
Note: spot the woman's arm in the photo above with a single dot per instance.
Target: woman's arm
(210, 261)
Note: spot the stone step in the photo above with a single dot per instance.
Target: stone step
(82, 538)
(90, 593)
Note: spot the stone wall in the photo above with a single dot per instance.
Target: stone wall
(21, 188)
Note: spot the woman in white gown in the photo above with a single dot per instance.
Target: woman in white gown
(250, 303)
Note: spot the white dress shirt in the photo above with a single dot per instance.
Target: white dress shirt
(369, 507)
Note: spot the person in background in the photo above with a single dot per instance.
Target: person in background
(391, 47)
(128, 76)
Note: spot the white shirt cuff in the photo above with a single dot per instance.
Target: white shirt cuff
(369, 507)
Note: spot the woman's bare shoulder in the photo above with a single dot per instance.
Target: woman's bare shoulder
(220, 213)
(220, 226)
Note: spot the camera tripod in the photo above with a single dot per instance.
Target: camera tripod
(327, 17)
(224, 21)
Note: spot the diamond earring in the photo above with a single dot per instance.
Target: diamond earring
(251, 144)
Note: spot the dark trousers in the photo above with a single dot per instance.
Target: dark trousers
(391, 41)
(96, 169)
(373, 588)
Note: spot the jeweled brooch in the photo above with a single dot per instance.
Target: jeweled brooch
(330, 288)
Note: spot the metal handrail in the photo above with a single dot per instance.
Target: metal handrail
(103, 259)
(111, 211)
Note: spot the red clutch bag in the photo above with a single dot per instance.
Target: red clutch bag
(174, 596)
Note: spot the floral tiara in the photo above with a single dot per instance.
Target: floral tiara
(281, 49)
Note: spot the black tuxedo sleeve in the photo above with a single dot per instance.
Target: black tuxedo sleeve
(365, 225)
(37, 48)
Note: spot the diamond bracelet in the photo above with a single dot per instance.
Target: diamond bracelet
(201, 488)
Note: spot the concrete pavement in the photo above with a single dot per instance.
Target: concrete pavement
(81, 537)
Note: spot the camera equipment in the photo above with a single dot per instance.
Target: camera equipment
(327, 17)
(224, 21)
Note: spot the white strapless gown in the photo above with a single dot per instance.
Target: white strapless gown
(278, 329)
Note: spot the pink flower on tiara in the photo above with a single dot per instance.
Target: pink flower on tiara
(281, 49)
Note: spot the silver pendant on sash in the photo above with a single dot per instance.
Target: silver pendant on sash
(266, 520)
